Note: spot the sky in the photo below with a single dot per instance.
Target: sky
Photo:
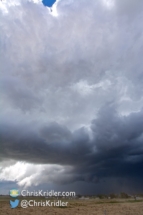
(71, 96)
(48, 3)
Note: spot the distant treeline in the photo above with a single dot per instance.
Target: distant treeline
(113, 196)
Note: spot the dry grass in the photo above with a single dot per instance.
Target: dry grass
(78, 207)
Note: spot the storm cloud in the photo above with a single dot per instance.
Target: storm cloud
(71, 92)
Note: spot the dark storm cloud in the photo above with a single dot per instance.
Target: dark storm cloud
(115, 150)
(71, 92)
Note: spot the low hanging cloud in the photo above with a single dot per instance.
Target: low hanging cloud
(115, 149)
(71, 92)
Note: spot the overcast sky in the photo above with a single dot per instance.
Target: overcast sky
(71, 100)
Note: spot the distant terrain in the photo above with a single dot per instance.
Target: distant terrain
(91, 206)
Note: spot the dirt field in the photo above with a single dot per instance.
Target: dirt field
(78, 207)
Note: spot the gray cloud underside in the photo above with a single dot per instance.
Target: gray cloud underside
(71, 87)
(115, 149)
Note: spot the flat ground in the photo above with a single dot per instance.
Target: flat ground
(78, 207)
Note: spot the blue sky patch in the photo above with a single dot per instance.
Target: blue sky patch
(48, 3)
